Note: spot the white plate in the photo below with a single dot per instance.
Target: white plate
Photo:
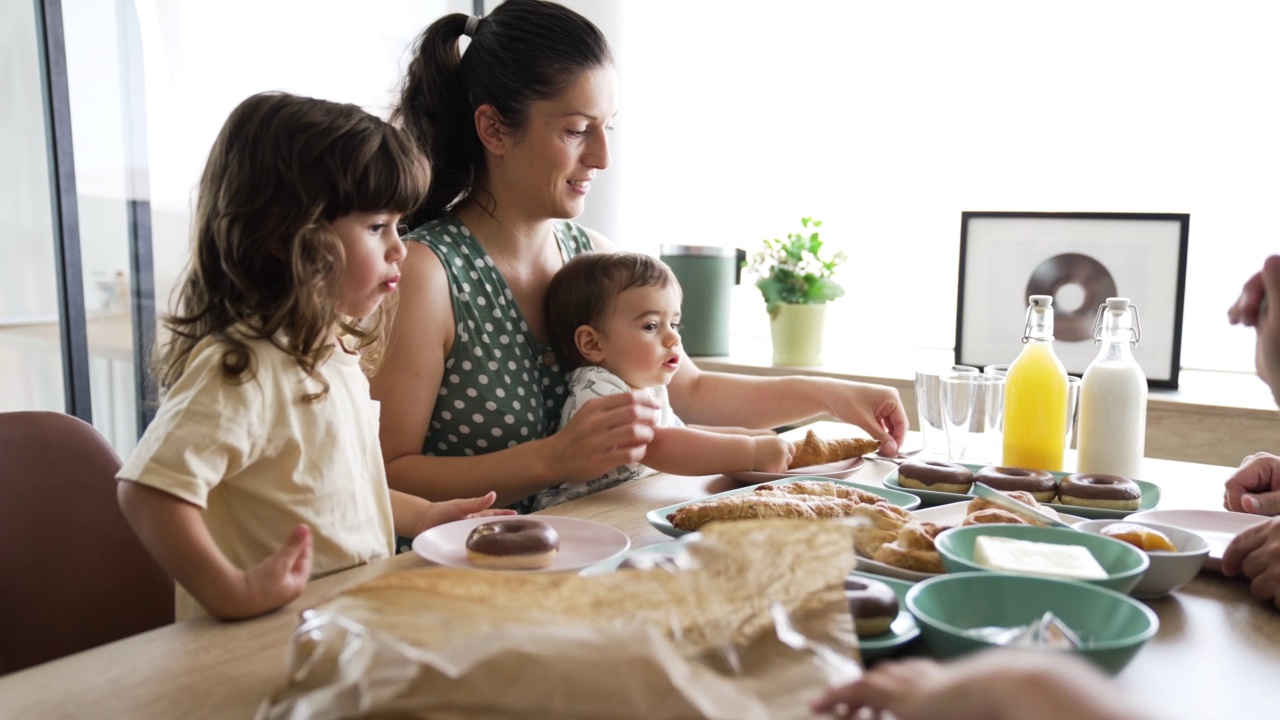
(582, 542)
(677, 547)
(951, 514)
(836, 471)
(1217, 527)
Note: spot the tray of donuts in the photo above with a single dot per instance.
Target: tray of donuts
(904, 548)
(1087, 495)
(804, 497)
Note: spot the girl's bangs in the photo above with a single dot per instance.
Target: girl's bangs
(394, 178)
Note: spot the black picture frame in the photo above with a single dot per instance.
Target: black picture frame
(1080, 258)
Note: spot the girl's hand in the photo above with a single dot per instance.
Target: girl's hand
(772, 453)
(607, 432)
(279, 579)
(874, 408)
(439, 513)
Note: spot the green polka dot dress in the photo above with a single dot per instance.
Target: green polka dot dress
(501, 387)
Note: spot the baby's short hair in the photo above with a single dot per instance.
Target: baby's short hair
(584, 290)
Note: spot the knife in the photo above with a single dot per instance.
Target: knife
(1025, 512)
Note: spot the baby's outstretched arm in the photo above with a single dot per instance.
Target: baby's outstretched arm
(174, 532)
(691, 451)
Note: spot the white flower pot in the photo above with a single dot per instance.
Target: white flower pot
(797, 332)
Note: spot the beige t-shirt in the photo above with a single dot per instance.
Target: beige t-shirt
(259, 459)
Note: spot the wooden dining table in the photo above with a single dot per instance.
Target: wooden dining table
(1216, 655)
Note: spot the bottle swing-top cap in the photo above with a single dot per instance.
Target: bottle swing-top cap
(1039, 322)
(1112, 312)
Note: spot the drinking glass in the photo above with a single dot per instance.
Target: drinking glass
(973, 413)
(998, 370)
(929, 405)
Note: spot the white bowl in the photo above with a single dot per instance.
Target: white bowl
(1168, 570)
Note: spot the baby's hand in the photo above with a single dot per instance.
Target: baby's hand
(439, 513)
(280, 578)
(773, 454)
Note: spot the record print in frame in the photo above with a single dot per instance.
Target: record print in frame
(1080, 259)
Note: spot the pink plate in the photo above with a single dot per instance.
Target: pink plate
(1218, 527)
(836, 471)
(582, 542)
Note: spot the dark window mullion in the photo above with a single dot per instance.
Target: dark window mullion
(66, 222)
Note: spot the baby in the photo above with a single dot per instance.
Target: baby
(613, 319)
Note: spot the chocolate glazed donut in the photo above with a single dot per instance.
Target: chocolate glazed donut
(873, 605)
(1082, 271)
(1040, 484)
(1099, 491)
(935, 475)
(521, 544)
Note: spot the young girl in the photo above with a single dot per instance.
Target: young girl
(613, 319)
(262, 468)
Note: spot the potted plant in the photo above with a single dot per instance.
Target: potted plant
(796, 282)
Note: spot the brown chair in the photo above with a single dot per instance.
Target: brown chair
(72, 573)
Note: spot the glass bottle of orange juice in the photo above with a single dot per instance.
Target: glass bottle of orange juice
(1035, 396)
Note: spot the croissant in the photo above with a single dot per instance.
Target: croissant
(753, 506)
(868, 539)
(819, 488)
(813, 450)
(993, 515)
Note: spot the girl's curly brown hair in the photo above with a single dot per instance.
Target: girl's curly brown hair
(265, 258)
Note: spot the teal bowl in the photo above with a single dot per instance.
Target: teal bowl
(1123, 563)
(1112, 626)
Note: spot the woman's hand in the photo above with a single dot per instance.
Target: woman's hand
(990, 685)
(1255, 552)
(607, 432)
(874, 408)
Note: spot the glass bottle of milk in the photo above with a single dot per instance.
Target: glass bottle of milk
(1113, 396)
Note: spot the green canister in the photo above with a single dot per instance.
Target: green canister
(707, 275)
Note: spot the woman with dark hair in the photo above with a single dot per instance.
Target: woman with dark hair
(516, 130)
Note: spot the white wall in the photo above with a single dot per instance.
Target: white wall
(887, 120)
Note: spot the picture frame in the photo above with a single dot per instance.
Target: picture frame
(1081, 259)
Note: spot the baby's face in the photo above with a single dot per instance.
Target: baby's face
(640, 336)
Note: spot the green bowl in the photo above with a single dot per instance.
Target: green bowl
(1123, 562)
(1113, 626)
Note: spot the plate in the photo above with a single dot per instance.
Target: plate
(833, 471)
(1217, 527)
(582, 543)
(952, 514)
(606, 567)
(903, 629)
(658, 518)
(1150, 497)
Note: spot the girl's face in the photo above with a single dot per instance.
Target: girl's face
(639, 339)
(373, 249)
(551, 162)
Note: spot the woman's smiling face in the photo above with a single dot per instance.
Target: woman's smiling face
(552, 160)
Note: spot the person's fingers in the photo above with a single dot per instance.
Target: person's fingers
(1245, 309)
(1267, 503)
(476, 504)
(294, 556)
(1249, 539)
